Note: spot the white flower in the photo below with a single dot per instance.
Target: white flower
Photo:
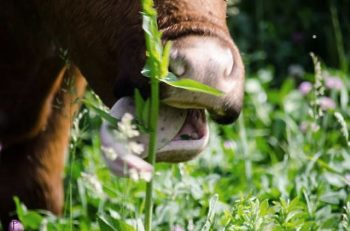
(136, 148)
(344, 127)
(126, 127)
(110, 153)
(133, 174)
(43, 225)
(93, 183)
(143, 175)
(127, 118)
(146, 176)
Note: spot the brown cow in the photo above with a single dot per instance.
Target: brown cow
(105, 42)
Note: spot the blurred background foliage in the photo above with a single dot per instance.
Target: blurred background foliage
(281, 34)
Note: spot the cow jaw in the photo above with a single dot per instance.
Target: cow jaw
(182, 134)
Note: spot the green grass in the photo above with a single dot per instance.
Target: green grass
(280, 167)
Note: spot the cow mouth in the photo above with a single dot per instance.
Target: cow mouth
(189, 141)
(182, 134)
(194, 127)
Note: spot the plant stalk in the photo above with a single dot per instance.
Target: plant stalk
(338, 37)
(154, 112)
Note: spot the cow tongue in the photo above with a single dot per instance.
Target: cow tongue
(173, 125)
(170, 121)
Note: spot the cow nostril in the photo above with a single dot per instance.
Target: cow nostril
(177, 66)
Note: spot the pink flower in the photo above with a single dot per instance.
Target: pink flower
(228, 144)
(304, 127)
(333, 83)
(327, 103)
(15, 225)
(177, 228)
(307, 126)
(347, 177)
(305, 87)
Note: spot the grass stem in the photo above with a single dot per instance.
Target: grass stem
(338, 37)
(154, 112)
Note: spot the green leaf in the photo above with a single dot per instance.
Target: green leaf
(20, 209)
(148, 8)
(104, 224)
(171, 77)
(108, 224)
(164, 70)
(191, 85)
(211, 213)
(30, 219)
(145, 114)
(146, 71)
(105, 115)
(139, 104)
(146, 24)
(121, 225)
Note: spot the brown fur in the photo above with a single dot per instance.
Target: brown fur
(105, 40)
(32, 169)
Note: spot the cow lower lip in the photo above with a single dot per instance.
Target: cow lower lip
(189, 142)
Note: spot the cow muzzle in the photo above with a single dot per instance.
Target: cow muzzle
(215, 63)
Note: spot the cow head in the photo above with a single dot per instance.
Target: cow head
(203, 51)
(106, 42)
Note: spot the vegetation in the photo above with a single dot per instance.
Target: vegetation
(280, 34)
(285, 165)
